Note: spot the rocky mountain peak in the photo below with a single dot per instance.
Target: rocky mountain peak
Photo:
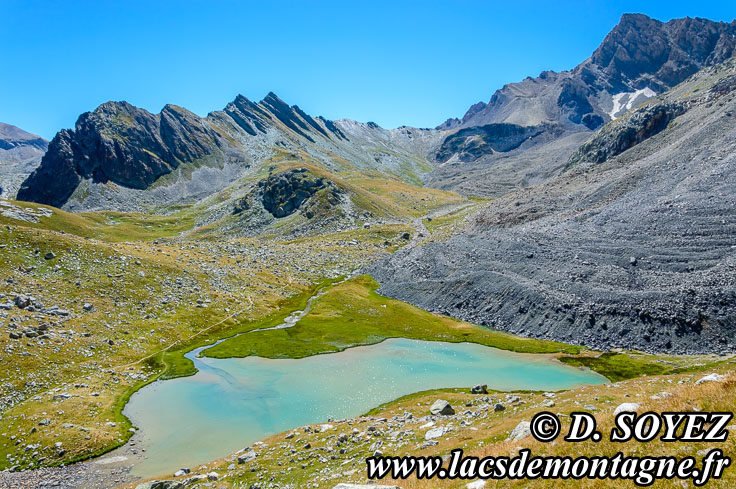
(641, 51)
(638, 58)
(131, 147)
(121, 143)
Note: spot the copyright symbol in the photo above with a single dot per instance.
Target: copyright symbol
(545, 426)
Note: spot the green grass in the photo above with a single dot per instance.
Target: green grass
(353, 314)
(622, 366)
(173, 360)
(109, 226)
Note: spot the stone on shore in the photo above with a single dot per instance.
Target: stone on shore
(442, 407)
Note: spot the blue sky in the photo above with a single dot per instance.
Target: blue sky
(397, 62)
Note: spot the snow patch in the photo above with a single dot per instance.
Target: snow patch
(625, 101)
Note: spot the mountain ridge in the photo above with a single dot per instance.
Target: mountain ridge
(20, 154)
(133, 149)
(639, 52)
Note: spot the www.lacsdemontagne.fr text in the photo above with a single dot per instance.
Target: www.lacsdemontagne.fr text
(643, 471)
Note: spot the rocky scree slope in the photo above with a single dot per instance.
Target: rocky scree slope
(124, 158)
(20, 153)
(638, 59)
(636, 250)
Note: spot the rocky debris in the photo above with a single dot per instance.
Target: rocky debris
(442, 407)
(79, 475)
(522, 430)
(479, 389)
(711, 378)
(25, 214)
(626, 407)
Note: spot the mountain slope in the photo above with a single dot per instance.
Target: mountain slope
(124, 158)
(638, 59)
(20, 153)
(633, 247)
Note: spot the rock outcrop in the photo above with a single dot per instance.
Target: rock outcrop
(627, 132)
(122, 144)
(474, 142)
(284, 193)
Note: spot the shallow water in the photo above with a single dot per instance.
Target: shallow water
(232, 403)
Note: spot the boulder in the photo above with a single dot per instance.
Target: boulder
(522, 430)
(434, 433)
(627, 407)
(247, 457)
(714, 377)
(442, 407)
(160, 485)
(479, 389)
(22, 301)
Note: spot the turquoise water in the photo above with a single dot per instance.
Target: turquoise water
(232, 403)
